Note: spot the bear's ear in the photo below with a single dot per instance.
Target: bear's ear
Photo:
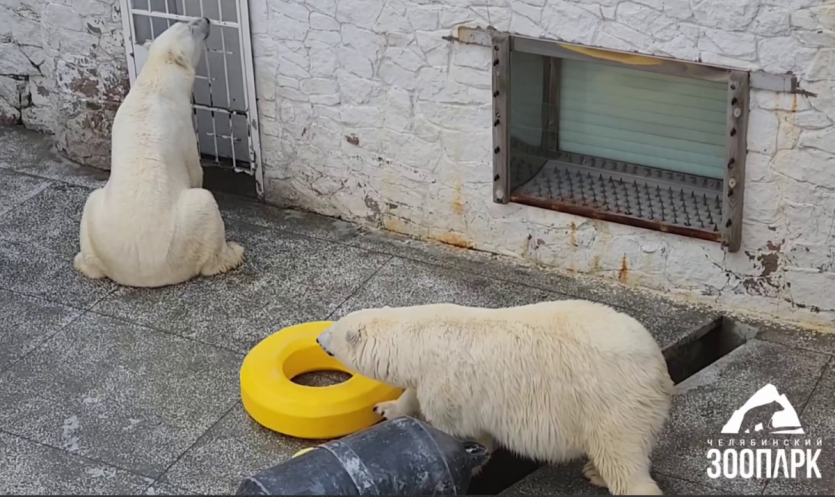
(148, 44)
(353, 337)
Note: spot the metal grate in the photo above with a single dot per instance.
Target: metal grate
(225, 118)
(650, 197)
(532, 163)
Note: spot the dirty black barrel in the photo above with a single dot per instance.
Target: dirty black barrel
(403, 456)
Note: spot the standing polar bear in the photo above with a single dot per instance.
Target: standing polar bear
(153, 224)
(552, 381)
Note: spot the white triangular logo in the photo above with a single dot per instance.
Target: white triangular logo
(783, 422)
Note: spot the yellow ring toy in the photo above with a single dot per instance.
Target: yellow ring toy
(274, 401)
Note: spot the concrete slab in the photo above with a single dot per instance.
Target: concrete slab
(567, 479)
(38, 240)
(33, 153)
(166, 489)
(116, 392)
(235, 448)
(26, 322)
(34, 270)
(17, 188)
(818, 419)
(286, 279)
(292, 221)
(816, 341)
(22, 147)
(706, 401)
(30, 468)
(48, 220)
(403, 282)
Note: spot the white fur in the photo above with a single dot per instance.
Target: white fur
(552, 381)
(153, 224)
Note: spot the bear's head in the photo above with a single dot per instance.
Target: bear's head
(364, 342)
(181, 44)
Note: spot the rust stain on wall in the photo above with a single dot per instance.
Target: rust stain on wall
(458, 201)
(572, 234)
(394, 224)
(623, 274)
(455, 240)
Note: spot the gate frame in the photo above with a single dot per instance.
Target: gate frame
(251, 101)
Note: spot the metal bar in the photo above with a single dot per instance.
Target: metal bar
(760, 80)
(546, 104)
(177, 17)
(151, 23)
(554, 79)
(250, 101)
(196, 127)
(501, 118)
(475, 36)
(617, 58)
(211, 99)
(226, 76)
(218, 109)
(779, 83)
(592, 213)
(130, 36)
(223, 136)
(734, 188)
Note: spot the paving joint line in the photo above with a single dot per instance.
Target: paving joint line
(74, 454)
(193, 444)
(167, 332)
(42, 344)
(359, 287)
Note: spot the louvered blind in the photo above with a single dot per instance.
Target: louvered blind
(644, 118)
(639, 117)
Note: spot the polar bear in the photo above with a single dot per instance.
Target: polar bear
(153, 224)
(551, 381)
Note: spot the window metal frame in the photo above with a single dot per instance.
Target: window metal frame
(730, 233)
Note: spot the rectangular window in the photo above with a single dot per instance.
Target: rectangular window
(645, 141)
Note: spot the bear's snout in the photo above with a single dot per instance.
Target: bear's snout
(202, 26)
(323, 340)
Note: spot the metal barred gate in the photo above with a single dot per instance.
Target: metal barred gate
(225, 112)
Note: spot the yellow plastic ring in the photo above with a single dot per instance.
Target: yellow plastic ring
(275, 402)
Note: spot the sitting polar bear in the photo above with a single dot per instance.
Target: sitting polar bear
(153, 224)
(552, 381)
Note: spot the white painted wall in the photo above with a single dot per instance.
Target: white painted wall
(63, 70)
(367, 113)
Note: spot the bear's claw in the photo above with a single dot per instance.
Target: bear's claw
(387, 410)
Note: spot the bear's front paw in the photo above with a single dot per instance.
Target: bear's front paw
(387, 410)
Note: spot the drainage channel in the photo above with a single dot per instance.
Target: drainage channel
(685, 358)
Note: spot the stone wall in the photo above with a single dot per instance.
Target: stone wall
(369, 114)
(63, 70)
